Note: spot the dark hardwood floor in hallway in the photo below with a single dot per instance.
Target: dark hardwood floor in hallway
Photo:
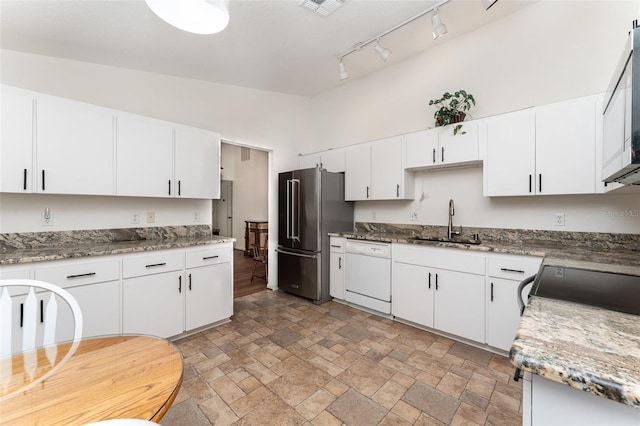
(242, 267)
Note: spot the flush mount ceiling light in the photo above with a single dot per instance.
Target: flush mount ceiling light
(383, 52)
(488, 3)
(194, 16)
(439, 29)
(386, 53)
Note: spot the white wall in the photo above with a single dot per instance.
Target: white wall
(550, 51)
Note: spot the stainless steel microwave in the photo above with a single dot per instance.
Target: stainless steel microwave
(621, 117)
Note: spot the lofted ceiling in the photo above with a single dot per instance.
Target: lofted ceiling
(272, 45)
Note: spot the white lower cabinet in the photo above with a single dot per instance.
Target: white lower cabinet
(439, 288)
(96, 287)
(505, 272)
(154, 304)
(209, 287)
(337, 267)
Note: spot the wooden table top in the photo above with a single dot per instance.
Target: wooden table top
(104, 378)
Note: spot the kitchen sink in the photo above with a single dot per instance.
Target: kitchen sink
(453, 239)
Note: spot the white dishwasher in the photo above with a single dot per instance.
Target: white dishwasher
(368, 275)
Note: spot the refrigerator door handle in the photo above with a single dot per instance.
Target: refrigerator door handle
(309, 256)
(288, 208)
(295, 210)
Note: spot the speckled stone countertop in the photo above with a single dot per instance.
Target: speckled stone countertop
(603, 252)
(588, 348)
(38, 247)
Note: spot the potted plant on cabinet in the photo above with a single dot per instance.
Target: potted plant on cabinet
(452, 109)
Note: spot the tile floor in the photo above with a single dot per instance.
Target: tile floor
(285, 361)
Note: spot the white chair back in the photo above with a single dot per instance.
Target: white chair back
(22, 314)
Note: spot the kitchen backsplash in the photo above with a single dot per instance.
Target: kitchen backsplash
(37, 240)
(590, 240)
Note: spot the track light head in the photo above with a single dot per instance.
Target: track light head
(439, 29)
(383, 52)
(343, 71)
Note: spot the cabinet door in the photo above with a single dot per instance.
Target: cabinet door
(421, 149)
(144, 157)
(154, 304)
(503, 315)
(459, 304)
(16, 141)
(357, 176)
(74, 148)
(386, 169)
(511, 155)
(613, 135)
(209, 295)
(197, 163)
(309, 161)
(336, 275)
(100, 305)
(565, 148)
(460, 148)
(413, 290)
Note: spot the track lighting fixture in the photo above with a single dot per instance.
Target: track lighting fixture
(439, 28)
(383, 52)
(488, 3)
(343, 71)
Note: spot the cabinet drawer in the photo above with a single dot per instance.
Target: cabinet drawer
(151, 264)
(70, 275)
(513, 267)
(210, 256)
(442, 258)
(336, 244)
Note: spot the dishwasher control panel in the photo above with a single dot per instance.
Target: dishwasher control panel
(367, 248)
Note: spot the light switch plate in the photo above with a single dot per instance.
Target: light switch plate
(151, 217)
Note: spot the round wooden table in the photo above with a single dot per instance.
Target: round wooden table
(102, 378)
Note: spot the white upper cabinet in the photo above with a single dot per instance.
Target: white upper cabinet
(144, 157)
(332, 160)
(16, 143)
(543, 151)
(439, 147)
(74, 148)
(197, 163)
(565, 147)
(375, 171)
(357, 177)
(511, 154)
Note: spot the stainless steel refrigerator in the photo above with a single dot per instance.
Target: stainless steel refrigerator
(310, 205)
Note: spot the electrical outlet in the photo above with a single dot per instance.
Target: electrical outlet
(196, 217)
(47, 217)
(558, 219)
(151, 217)
(414, 216)
(135, 217)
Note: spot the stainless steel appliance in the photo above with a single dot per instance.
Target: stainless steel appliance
(621, 117)
(310, 205)
(368, 277)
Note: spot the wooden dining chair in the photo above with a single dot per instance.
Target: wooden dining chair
(29, 314)
(261, 256)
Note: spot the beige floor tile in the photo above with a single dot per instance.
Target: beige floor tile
(198, 389)
(403, 379)
(389, 394)
(355, 409)
(249, 384)
(471, 413)
(218, 412)
(257, 397)
(227, 390)
(481, 385)
(366, 376)
(406, 411)
(336, 387)
(452, 384)
(326, 366)
(311, 407)
(275, 412)
(392, 419)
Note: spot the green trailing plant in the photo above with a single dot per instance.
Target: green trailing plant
(452, 109)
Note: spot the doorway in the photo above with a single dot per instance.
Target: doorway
(222, 210)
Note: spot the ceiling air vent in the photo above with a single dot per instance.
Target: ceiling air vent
(322, 7)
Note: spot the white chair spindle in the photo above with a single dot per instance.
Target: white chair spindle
(51, 315)
(5, 319)
(29, 313)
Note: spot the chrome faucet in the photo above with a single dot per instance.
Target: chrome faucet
(452, 212)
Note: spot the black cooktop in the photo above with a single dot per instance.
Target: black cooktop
(617, 292)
